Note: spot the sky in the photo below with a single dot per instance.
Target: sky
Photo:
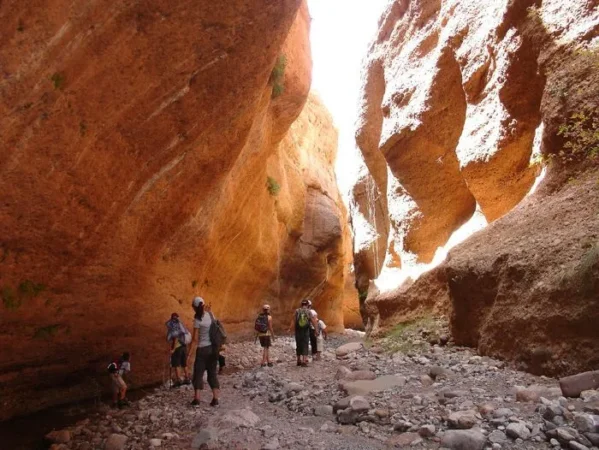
(341, 31)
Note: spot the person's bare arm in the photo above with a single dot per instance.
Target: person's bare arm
(272, 333)
(193, 338)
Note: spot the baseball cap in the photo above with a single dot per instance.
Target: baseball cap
(305, 301)
(197, 301)
(174, 316)
(266, 307)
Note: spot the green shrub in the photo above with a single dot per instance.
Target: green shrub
(46, 333)
(583, 278)
(272, 186)
(57, 80)
(277, 76)
(363, 295)
(30, 289)
(9, 299)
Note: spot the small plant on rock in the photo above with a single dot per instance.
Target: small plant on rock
(57, 80)
(30, 289)
(277, 76)
(46, 333)
(272, 186)
(581, 135)
(9, 299)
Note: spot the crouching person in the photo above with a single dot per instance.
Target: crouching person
(117, 369)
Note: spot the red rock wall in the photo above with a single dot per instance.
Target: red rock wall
(136, 142)
(452, 97)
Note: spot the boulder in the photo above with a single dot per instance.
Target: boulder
(574, 385)
(462, 419)
(342, 373)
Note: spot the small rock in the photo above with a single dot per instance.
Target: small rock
(530, 394)
(241, 418)
(59, 436)
(342, 373)
(207, 437)
(403, 439)
(463, 440)
(497, 437)
(462, 419)
(517, 430)
(359, 404)
(273, 444)
(439, 372)
(346, 349)
(426, 380)
(155, 442)
(586, 423)
(427, 431)
(576, 446)
(323, 410)
(115, 442)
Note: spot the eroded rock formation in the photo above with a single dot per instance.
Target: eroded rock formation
(145, 160)
(452, 100)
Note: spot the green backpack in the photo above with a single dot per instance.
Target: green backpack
(302, 319)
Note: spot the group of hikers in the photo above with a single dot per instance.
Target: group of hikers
(209, 338)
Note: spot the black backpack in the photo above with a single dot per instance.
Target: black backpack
(261, 324)
(217, 333)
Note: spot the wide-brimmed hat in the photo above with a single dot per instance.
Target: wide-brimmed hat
(197, 302)
(305, 302)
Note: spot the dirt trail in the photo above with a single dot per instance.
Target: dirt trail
(443, 396)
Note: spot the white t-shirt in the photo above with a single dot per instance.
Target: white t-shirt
(203, 327)
(125, 367)
(321, 326)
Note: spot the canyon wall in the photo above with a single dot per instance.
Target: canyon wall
(456, 95)
(151, 153)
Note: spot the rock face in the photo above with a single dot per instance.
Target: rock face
(148, 156)
(453, 98)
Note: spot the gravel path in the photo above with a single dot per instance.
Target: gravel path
(430, 397)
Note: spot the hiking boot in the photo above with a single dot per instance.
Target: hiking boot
(186, 381)
(176, 384)
(122, 404)
(214, 402)
(299, 364)
(263, 365)
(195, 402)
(270, 364)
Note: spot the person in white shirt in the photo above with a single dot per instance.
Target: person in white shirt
(206, 355)
(321, 336)
(313, 323)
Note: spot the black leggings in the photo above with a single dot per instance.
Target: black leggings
(313, 340)
(206, 360)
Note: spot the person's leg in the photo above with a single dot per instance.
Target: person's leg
(211, 367)
(313, 341)
(198, 376)
(183, 363)
(298, 347)
(115, 389)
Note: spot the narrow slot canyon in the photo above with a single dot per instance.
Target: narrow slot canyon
(424, 172)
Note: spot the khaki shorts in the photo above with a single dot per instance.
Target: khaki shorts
(117, 382)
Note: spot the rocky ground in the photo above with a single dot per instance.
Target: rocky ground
(400, 392)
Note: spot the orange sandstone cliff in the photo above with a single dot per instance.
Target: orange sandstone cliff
(148, 155)
(455, 95)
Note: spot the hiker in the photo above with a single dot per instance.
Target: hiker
(301, 324)
(265, 334)
(321, 336)
(178, 338)
(205, 331)
(313, 324)
(117, 369)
